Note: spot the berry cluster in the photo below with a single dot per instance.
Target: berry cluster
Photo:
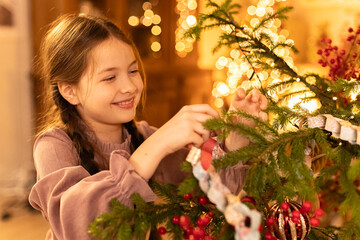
(201, 231)
(342, 63)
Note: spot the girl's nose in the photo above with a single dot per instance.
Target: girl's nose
(127, 85)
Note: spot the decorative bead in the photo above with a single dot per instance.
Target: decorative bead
(203, 200)
(211, 214)
(199, 232)
(161, 230)
(270, 221)
(314, 221)
(176, 220)
(188, 196)
(285, 206)
(306, 207)
(319, 212)
(184, 222)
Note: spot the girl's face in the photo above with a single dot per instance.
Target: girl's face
(111, 87)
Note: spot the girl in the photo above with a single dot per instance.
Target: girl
(91, 150)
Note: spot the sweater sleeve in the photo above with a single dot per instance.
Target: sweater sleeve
(69, 197)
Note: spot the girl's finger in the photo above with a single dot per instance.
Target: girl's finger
(263, 116)
(239, 95)
(202, 108)
(255, 95)
(263, 102)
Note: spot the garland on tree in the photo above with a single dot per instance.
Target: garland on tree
(293, 170)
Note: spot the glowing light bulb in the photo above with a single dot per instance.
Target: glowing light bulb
(156, 30)
(219, 103)
(191, 20)
(155, 46)
(223, 89)
(156, 19)
(149, 13)
(146, 6)
(133, 21)
(180, 46)
(251, 10)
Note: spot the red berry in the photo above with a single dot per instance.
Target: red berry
(354, 55)
(296, 213)
(320, 61)
(189, 231)
(314, 221)
(204, 220)
(161, 230)
(269, 236)
(188, 196)
(319, 52)
(342, 52)
(329, 41)
(306, 207)
(350, 30)
(270, 222)
(199, 232)
(184, 222)
(285, 206)
(176, 220)
(203, 200)
(211, 214)
(192, 237)
(322, 40)
(335, 48)
(295, 220)
(319, 212)
(332, 61)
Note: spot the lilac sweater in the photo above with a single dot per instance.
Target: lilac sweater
(70, 198)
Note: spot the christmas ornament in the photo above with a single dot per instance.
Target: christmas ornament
(245, 221)
(339, 128)
(284, 227)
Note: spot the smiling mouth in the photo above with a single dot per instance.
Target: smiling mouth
(125, 104)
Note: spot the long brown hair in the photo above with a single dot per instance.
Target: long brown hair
(65, 53)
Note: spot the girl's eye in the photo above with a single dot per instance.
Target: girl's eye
(109, 78)
(134, 71)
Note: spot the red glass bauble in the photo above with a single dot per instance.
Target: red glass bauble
(287, 226)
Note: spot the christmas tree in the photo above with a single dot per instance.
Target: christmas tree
(304, 166)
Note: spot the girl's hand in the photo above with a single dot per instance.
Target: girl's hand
(186, 129)
(254, 103)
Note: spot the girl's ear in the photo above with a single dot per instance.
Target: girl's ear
(68, 92)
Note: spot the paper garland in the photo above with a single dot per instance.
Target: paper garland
(235, 212)
(339, 128)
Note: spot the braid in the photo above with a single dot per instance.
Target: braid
(71, 119)
(136, 137)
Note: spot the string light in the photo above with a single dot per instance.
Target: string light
(149, 19)
(239, 71)
(186, 10)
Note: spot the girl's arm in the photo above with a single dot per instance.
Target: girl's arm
(69, 197)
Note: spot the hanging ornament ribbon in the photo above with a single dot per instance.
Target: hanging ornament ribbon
(339, 128)
(206, 153)
(210, 183)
